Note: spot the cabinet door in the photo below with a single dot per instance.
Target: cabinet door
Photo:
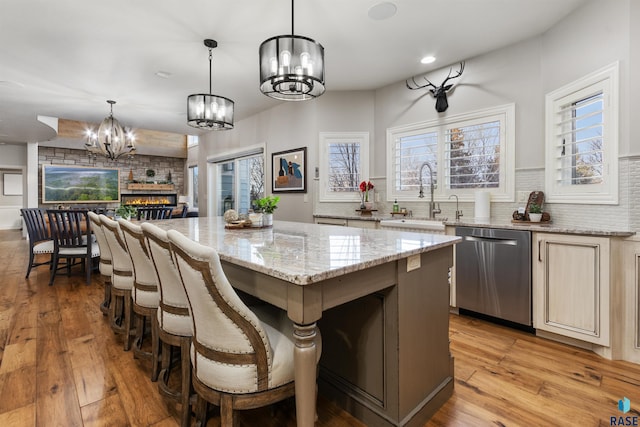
(571, 286)
(362, 224)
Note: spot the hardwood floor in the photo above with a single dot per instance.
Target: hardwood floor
(60, 364)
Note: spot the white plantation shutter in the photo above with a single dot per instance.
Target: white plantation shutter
(466, 152)
(581, 143)
(411, 150)
(472, 154)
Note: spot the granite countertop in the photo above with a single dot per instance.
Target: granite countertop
(542, 228)
(304, 253)
(538, 227)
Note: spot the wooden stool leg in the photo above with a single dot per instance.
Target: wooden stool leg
(185, 363)
(127, 319)
(226, 410)
(155, 350)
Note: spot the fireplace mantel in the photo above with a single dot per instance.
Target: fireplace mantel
(147, 187)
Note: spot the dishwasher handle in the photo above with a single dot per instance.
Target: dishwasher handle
(494, 240)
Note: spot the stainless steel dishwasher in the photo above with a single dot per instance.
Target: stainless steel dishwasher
(493, 273)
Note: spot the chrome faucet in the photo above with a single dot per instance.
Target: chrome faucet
(433, 210)
(458, 212)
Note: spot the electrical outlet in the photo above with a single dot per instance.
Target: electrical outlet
(522, 196)
(413, 262)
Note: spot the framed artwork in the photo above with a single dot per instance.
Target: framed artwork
(12, 184)
(73, 184)
(289, 171)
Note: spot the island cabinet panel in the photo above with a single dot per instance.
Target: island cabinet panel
(571, 286)
(386, 355)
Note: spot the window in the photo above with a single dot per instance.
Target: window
(344, 158)
(239, 179)
(462, 154)
(581, 140)
(193, 185)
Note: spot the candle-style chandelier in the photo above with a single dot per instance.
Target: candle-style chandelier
(111, 140)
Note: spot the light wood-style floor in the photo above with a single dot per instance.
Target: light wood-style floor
(60, 364)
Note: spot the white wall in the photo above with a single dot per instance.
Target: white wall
(13, 159)
(291, 125)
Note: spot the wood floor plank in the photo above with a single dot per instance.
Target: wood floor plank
(56, 397)
(24, 416)
(17, 388)
(105, 413)
(93, 380)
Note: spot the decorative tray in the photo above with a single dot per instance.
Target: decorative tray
(399, 213)
(521, 221)
(242, 224)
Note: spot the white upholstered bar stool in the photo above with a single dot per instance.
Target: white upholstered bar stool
(105, 266)
(145, 294)
(121, 312)
(239, 360)
(174, 320)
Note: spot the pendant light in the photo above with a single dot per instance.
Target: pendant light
(207, 111)
(291, 67)
(111, 140)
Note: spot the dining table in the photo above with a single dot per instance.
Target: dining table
(312, 270)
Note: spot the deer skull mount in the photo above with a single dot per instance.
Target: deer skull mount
(438, 92)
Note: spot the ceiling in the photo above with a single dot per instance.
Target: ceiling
(65, 58)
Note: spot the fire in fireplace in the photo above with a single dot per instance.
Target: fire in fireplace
(150, 199)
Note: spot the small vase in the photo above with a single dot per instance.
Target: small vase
(368, 205)
(267, 220)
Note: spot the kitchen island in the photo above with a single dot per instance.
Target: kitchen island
(382, 298)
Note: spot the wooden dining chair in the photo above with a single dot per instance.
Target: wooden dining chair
(121, 311)
(105, 266)
(72, 240)
(174, 320)
(154, 212)
(241, 358)
(39, 235)
(145, 294)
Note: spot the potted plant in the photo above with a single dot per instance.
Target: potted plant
(535, 212)
(126, 211)
(267, 205)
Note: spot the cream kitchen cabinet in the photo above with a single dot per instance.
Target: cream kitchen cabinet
(571, 286)
(362, 223)
(347, 222)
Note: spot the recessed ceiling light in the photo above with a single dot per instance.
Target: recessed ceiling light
(163, 74)
(428, 60)
(384, 10)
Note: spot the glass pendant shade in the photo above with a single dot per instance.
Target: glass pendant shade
(207, 111)
(291, 68)
(111, 140)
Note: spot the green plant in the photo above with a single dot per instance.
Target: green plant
(126, 211)
(535, 208)
(267, 204)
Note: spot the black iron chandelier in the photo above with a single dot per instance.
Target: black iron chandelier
(111, 140)
(291, 67)
(208, 111)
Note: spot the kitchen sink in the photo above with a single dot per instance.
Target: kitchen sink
(413, 223)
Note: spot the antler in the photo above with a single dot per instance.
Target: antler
(417, 86)
(458, 74)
